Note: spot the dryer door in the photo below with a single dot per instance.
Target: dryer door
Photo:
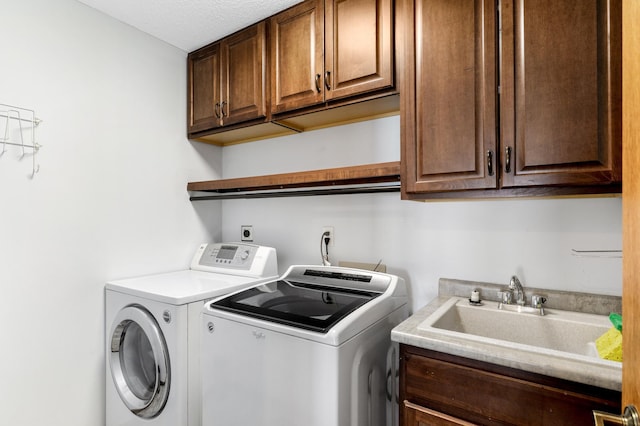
(139, 361)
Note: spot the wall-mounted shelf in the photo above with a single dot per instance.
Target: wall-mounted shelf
(370, 178)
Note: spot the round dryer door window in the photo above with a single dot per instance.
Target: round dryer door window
(140, 361)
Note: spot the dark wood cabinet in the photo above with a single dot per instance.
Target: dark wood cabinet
(527, 94)
(204, 89)
(322, 50)
(561, 94)
(359, 47)
(227, 81)
(244, 65)
(450, 126)
(441, 389)
(317, 64)
(297, 49)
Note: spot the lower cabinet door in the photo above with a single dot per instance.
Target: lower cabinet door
(489, 394)
(415, 415)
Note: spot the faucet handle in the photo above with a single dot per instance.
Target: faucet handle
(506, 297)
(537, 301)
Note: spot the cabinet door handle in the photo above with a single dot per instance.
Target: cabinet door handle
(507, 163)
(216, 110)
(629, 417)
(327, 80)
(222, 109)
(318, 83)
(490, 162)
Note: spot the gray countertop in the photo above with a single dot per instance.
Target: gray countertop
(605, 374)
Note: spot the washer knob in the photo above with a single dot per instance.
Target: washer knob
(166, 316)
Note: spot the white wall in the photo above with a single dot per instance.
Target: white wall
(474, 240)
(110, 200)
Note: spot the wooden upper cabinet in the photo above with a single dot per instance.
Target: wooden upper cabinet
(296, 46)
(561, 92)
(203, 75)
(227, 81)
(326, 50)
(359, 46)
(244, 75)
(449, 111)
(535, 104)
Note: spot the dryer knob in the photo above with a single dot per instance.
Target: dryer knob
(244, 255)
(166, 316)
(211, 327)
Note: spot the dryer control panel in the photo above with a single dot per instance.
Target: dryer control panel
(246, 259)
(228, 255)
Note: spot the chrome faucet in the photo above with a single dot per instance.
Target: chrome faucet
(516, 291)
(515, 286)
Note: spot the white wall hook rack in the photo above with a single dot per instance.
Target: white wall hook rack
(17, 121)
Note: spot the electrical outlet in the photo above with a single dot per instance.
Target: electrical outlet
(329, 229)
(246, 233)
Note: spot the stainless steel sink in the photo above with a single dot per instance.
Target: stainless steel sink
(564, 334)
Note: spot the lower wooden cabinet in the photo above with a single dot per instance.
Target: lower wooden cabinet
(441, 389)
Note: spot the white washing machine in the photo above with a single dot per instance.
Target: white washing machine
(153, 333)
(312, 348)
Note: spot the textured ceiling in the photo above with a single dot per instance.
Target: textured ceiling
(189, 24)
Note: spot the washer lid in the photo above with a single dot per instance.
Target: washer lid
(182, 287)
(302, 305)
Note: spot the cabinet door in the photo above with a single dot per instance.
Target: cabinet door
(358, 46)
(416, 415)
(449, 111)
(560, 103)
(243, 75)
(485, 394)
(203, 75)
(296, 46)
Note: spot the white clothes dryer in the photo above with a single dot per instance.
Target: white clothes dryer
(153, 333)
